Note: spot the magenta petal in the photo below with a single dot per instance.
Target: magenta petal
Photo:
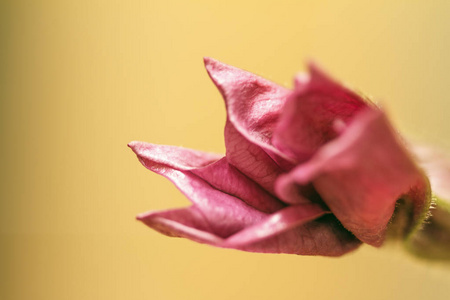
(287, 231)
(320, 148)
(253, 103)
(225, 212)
(178, 158)
(311, 114)
(253, 107)
(324, 236)
(220, 219)
(251, 159)
(278, 222)
(359, 175)
(185, 222)
(227, 178)
(222, 214)
(296, 230)
(216, 171)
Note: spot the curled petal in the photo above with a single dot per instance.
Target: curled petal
(251, 159)
(204, 167)
(253, 104)
(323, 236)
(311, 114)
(219, 218)
(288, 231)
(360, 176)
(178, 158)
(292, 157)
(223, 213)
(227, 178)
(279, 222)
(185, 222)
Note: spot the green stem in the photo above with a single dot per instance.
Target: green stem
(431, 240)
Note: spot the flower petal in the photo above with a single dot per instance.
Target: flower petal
(178, 158)
(223, 214)
(279, 222)
(227, 178)
(251, 159)
(185, 222)
(311, 114)
(216, 171)
(324, 236)
(220, 219)
(287, 231)
(253, 104)
(360, 176)
(296, 230)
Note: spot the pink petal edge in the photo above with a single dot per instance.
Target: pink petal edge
(253, 103)
(360, 176)
(213, 169)
(291, 230)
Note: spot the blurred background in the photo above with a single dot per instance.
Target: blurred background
(80, 79)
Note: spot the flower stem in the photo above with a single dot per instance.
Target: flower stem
(432, 240)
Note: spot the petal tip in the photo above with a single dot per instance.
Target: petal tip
(142, 216)
(314, 67)
(211, 64)
(135, 146)
(208, 60)
(301, 80)
(215, 68)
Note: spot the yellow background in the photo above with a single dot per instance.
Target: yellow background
(80, 79)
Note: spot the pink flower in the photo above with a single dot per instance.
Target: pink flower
(315, 170)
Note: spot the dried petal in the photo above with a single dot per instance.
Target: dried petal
(292, 157)
(213, 169)
(253, 104)
(359, 175)
(291, 230)
(310, 114)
